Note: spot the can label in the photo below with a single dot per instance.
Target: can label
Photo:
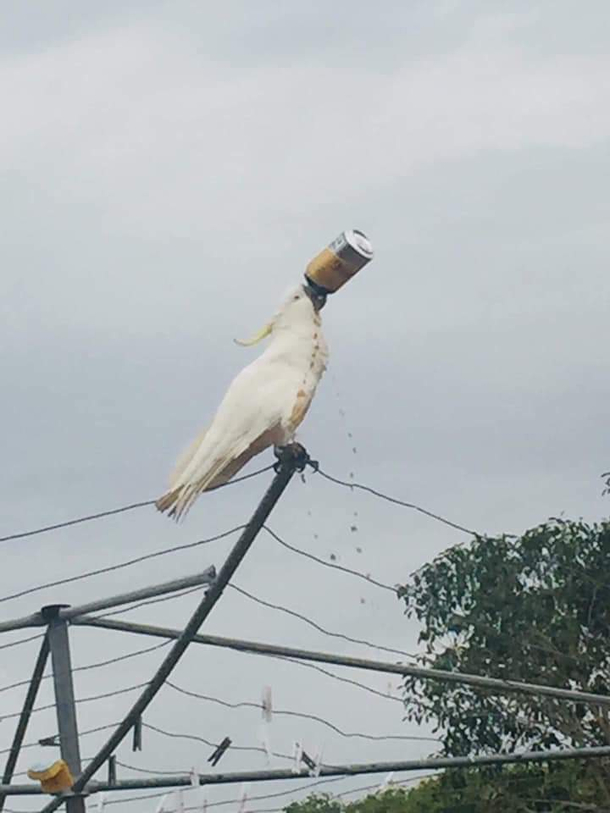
(338, 263)
(329, 271)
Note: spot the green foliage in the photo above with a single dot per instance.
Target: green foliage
(533, 788)
(533, 609)
(316, 803)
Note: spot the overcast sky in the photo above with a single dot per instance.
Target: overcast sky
(168, 169)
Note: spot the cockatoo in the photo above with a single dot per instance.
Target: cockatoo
(264, 404)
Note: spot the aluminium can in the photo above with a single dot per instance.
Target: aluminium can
(340, 261)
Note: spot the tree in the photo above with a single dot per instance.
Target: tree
(556, 788)
(535, 609)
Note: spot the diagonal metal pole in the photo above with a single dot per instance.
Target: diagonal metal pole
(291, 458)
(26, 712)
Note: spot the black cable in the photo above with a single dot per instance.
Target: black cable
(121, 510)
(79, 700)
(76, 521)
(396, 501)
(153, 601)
(35, 743)
(311, 556)
(112, 660)
(120, 658)
(105, 695)
(179, 736)
(23, 640)
(93, 665)
(147, 771)
(20, 683)
(242, 705)
(127, 800)
(128, 563)
(318, 627)
(25, 745)
(377, 785)
(97, 729)
(196, 738)
(308, 786)
(302, 715)
(338, 677)
(360, 789)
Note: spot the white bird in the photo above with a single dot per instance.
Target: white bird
(263, 406)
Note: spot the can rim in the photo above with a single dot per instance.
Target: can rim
(359, 242)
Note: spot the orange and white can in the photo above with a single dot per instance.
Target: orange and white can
(340, 261)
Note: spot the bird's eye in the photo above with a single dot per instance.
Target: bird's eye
(295, 297)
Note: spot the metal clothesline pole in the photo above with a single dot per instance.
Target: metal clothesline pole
(479, 681)
(64, 699)
(67, 613)
(350, 769)
(291, 458)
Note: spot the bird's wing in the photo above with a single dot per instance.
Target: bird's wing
(245, 424)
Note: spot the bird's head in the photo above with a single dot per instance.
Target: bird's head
(301, 305)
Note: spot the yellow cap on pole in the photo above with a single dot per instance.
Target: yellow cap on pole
(53, 778)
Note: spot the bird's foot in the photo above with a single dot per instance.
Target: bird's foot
(294, 453)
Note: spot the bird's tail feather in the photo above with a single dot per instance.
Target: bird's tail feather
(182, 495)
(178, 500)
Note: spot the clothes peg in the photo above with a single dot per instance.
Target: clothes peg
(267, 715)
(137, 735)
(265, 741)
(220, 750)
(308, 760)
(386, 783)
(297, 752)
(243, 797)
(266, 704)
(318, 760)
(53, 740)
(162, 807)
(112, 769)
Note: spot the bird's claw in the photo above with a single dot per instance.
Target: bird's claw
(294, 453)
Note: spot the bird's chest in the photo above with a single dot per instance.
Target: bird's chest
(312, 366)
